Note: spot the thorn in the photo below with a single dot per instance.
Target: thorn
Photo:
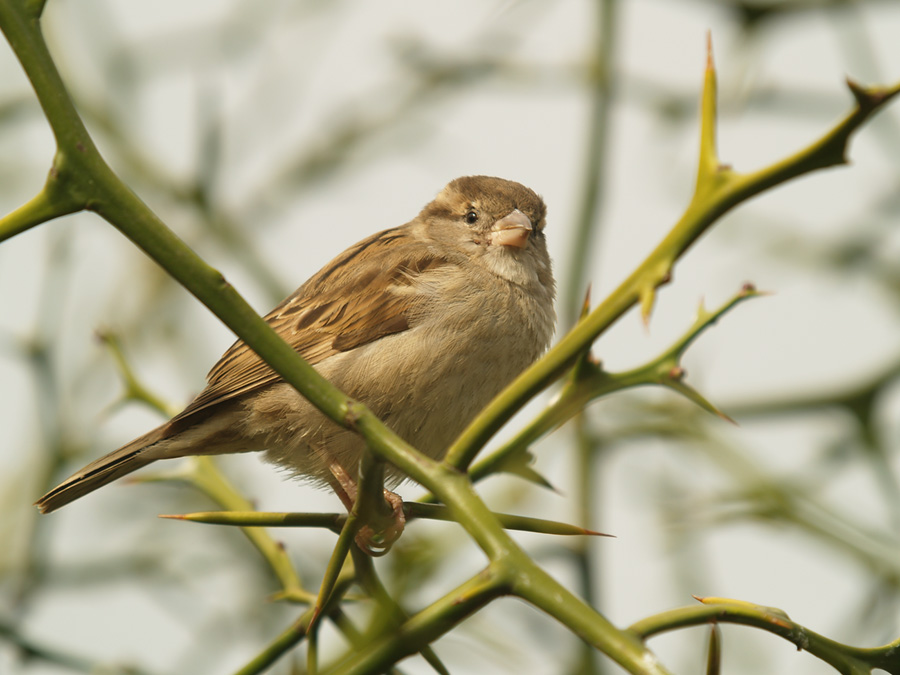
(647, 298)
(863, 99)
(710, 64)
(586, 306)
(727, 418)
(171, 516)
(600, 534)
(749, 288)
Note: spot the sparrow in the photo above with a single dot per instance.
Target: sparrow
(423, 323)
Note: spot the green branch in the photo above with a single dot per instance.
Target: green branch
(81, 176)
(588, 381)
(391, 614)
(335, 521)
(416, 633)
(40, 209)
(718, 190)
(844, 658)
(81, 180)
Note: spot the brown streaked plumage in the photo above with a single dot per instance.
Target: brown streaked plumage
(424, 323)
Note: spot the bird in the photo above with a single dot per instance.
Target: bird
(423, 323)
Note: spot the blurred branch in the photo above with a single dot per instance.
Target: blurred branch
(759, 494)
(602, 90)
(58, 439)
(135, 391)
(203, 474)
(296, 632)
(30, 651)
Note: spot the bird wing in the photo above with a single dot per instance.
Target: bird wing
(355, 300)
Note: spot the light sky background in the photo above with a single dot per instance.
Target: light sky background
(294, 77)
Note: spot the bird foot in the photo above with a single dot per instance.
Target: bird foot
(378, 535)
(381, 526)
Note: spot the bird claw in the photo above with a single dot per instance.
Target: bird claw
(378, 542)
(380, 529)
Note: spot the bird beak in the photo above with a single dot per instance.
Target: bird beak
(511, 230)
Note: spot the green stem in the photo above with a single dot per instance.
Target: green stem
(82, 177)
(420, 630)
(390, 614)
(525, 578)
(589, 382)
(22, 31)
(335, 521)
(534, 585)
(844, 658)
(39, 209)
(718, 190)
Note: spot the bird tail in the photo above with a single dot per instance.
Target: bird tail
(116, 464)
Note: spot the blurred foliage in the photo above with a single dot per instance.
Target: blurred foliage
(722, 481)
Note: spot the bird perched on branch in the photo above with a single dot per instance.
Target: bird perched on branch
(423, 323)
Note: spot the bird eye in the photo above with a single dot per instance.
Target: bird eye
(472, 217)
